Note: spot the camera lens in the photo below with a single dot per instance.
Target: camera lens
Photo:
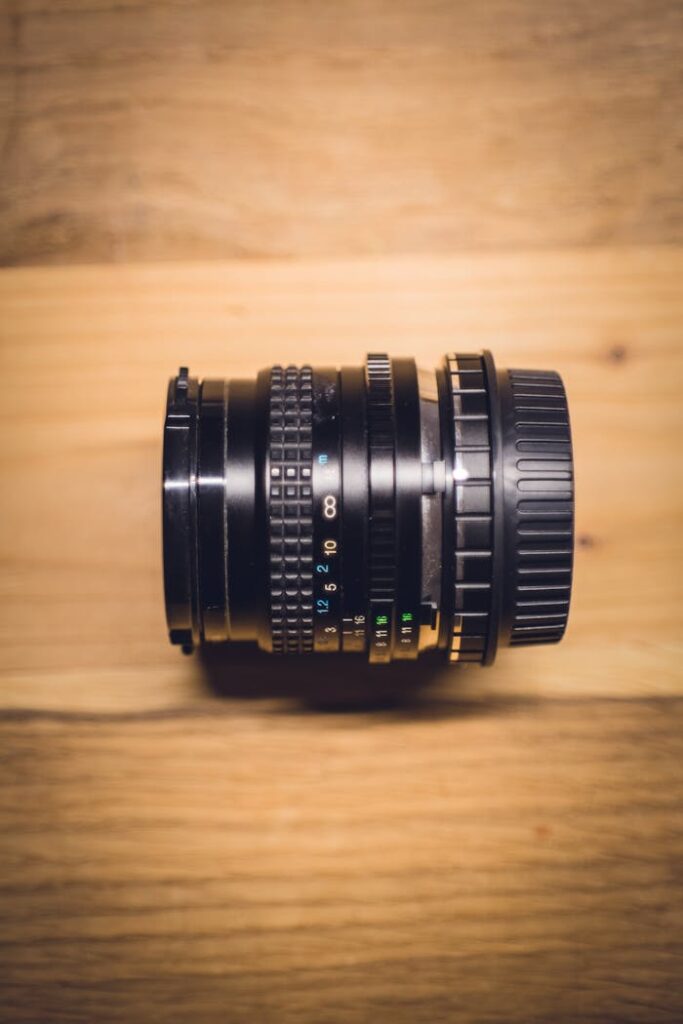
(382, 510)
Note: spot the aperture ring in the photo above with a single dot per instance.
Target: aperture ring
(473, 507)
(382, 531)
(290, 510)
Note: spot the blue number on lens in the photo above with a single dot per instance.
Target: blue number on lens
(323, 567)
(322, 605)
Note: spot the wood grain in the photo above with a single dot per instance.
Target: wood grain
(238, 840)
(226, 839)
(155, 130)
(507, 861)
(85, 354)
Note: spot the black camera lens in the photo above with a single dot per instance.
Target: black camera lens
(383, 510)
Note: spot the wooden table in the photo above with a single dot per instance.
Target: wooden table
(235, 839)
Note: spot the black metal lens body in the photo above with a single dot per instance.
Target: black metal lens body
(382, 510)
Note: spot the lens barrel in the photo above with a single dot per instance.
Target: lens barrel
(382, 510)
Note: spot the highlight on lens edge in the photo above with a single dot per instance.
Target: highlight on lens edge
(382, 510)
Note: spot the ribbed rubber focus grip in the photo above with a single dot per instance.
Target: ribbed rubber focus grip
(539, 506)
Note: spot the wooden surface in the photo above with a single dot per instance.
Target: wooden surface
(445, 864)
(153, 130)
(232, 839)
(244, 840)
(85, 357)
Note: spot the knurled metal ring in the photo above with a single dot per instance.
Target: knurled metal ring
(473, 507)
(290, 509)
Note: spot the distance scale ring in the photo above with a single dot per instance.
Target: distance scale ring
(472, 566)
(327, 512)
(355, 478)
(290, 510)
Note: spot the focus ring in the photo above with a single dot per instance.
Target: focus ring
(382, 529)
(290, 508)
(473, 505)
(540, 510)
